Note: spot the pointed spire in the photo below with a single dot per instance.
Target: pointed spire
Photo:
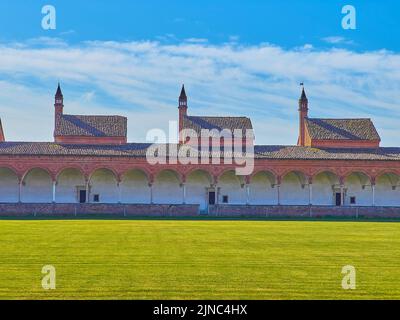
(303, 93)
(59, 92)
(183, 93)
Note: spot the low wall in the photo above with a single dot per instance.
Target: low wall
(170, 210)
(87, 209)
(249, 211)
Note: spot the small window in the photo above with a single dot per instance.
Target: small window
(96, 198)
(352, 200)
(225, 199)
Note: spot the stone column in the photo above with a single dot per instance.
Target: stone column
(373, 192)
(247, 194)
(341, 194)
(310, 191)
(87, 191)
(183, 193)
(119, 192)
(151, 193)
(54, 190)
(278, 187)
(20, 190)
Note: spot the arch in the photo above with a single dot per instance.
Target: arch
(104, 168)
(231, 188)
(134, 186)
(358, 189)
(77, 168)
(198, 184)
(37, 168)
(263, 189)
(103, 186)
(326, 183)
(9, 185)
(176, 173)
(272, 176)
(167, 188)
(136, 168)
(70, 181)
(293, 189)
(387, 189)
(37, 186)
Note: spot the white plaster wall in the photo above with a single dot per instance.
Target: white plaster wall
(9, 187)
(230, 185)
(384, 194)
(196, 189)
(37, 187)
(354, 188)
(104, 183)
(292, 192)
(135, 188)
(322, 192)
(261, 190)
(67, 186)
(167, 189)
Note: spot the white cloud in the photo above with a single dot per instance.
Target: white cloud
(337, 40)
(142, 80)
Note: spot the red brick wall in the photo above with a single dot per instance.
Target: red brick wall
(90, 140)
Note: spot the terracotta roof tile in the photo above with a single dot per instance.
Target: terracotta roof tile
(341, 129)
(139, 150)
(93, 126)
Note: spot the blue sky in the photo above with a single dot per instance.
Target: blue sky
(236, 58)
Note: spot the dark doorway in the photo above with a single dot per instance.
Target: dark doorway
(82, 196)
(338, 199)
(211, 198)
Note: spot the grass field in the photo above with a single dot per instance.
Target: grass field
(100, 259)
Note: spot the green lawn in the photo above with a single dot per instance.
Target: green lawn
(101, 259)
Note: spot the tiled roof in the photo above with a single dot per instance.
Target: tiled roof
(93, 126)
(341, 129)
(219, 123)
(139, 150)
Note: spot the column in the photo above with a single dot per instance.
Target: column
(342, 195)
(119, 191)
(247, 194)
(373, 194)
(278, 187)
(310, 192)
(151, 193)
(87, 191)
(183, 193)
(54, 191)
(19, 190)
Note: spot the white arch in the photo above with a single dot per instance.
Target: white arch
(167, 188)
(263, 189)
(294, 189)
(9, 186)
(69, 182)
(358, 188)
(37, 187)
(325, 186)
(104, 186)
(197, 184)
(135, 187)
(231, 187)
